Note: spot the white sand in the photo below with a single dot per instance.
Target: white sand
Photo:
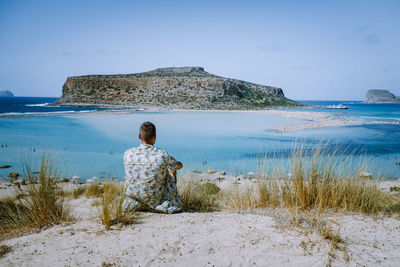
(306, 119)
(259, 238)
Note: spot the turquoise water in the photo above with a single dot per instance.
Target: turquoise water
(37, 105)
(93, 144)
(359, 109)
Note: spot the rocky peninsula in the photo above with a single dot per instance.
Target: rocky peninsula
(381, 96)
(174, 87)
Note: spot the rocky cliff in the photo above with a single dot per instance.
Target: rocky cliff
(185, 87)
(381, 96)
(6, 93)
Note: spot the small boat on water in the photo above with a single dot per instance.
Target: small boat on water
(340, 106)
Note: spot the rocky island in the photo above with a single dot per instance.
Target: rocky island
(6, 93)
(174, 87)
(381, 96)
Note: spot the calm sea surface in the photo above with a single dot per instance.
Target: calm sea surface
(93, 144)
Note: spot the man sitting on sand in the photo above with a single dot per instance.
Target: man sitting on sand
(151, 175)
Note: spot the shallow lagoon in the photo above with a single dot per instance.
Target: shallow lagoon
(93, 144)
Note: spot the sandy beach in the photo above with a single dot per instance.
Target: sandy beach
(261, 237)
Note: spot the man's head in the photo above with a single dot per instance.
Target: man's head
(147, 133)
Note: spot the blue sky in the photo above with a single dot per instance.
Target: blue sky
(311, 49)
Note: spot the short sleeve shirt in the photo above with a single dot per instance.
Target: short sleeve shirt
(148, 180)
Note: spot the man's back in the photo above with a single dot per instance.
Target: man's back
(148, 180)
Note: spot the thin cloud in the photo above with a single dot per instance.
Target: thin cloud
(300, 68)
(371, 38)
(73, 53)
(20, 73)
(105, 52)
(348, 77)
(365, 34)
(272, 46)
(355, 33)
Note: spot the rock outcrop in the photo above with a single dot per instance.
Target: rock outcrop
(6, 93)
(381, 96)
(184, 87)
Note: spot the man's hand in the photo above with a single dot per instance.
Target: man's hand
(173, 173)
(179, 165)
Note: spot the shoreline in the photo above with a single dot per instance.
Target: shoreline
(309, 119)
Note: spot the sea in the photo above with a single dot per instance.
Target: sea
(90, 144)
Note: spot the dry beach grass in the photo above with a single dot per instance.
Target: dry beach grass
(316, 206)
(40, 204)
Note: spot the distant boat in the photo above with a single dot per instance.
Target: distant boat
(340, 106)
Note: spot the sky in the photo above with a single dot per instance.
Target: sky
(313, 50)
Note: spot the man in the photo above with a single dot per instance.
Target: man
(151, 175)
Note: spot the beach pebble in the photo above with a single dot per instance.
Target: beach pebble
(211, 171)
(240, 177)
(385, 186)
(90, 180)
(251, 175)
(14, 175)
(20, 181)
(394, 189)
(366, 175)
(222, 172)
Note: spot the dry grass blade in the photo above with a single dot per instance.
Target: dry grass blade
(4, 249)
(42, 204)
(94, 190)
(77, 192)
(111, 210)
(198, 197)
(321, 179)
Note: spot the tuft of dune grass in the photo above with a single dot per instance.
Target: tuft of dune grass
(111, 206)
(77, 192)
(94, 190)
(199, 197)
(320, 181)
(41, 204)
(4, 249)
(109, 198)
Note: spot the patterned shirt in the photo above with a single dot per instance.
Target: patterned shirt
(148, 182)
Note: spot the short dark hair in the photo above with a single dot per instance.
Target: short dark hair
(147, 131)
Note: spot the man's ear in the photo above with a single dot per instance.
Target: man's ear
(139, 136)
